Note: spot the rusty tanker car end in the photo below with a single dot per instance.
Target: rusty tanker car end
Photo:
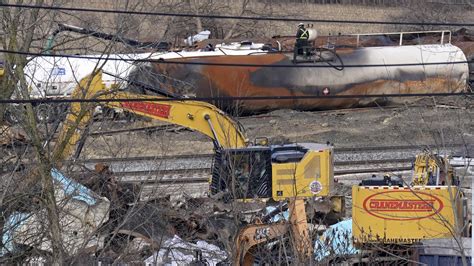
(402, 68)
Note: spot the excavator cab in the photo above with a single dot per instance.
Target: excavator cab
(279, 171)
(243, 171)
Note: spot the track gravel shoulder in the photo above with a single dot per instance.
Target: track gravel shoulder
(450, 121)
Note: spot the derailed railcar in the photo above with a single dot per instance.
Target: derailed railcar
(399, 69)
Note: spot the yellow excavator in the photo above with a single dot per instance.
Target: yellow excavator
(241, 170)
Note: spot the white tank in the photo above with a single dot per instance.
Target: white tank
(58, 76)
(55, 76)
(313, 34)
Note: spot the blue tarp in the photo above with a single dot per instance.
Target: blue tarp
(283, 215)
(73, 189)
(335, 241)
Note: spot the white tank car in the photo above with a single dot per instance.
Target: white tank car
(56, 76)
(410, 69)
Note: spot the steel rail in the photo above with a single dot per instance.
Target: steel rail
(337, 151)
(198, 173)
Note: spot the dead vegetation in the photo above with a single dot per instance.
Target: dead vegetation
(133, 231)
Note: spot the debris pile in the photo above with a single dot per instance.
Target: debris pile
(176, 251)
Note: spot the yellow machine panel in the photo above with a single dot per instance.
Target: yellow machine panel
(432, 169)
(404, 214)
(310, 177)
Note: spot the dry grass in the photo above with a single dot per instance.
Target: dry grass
(318, 11)
(156, 28)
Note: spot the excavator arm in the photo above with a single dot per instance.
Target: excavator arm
(105, 36)
(313, 161)
(253, 235)
(195, 115)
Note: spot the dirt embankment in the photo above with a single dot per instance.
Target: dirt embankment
(449, 121)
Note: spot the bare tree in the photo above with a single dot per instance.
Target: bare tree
(133, 226)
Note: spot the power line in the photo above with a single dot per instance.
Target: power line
(261, 18)
(237, 98)
(298, 65)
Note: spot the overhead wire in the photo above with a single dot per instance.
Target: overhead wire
(259, 18)
(163, 61)
(234, 98)
(160, 61)
(166, 61)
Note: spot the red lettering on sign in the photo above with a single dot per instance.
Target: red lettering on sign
(155, 109)
(384, 204)
(401, 205)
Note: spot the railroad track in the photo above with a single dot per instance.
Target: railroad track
(197, 167)
(338, 151)
(347, 160)
(202, 174)
(195, 182)
(160, 176)
(342, 156)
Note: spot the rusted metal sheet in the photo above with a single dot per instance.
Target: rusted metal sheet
(212, 80)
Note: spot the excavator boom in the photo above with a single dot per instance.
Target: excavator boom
(292, 172)
(198, 116)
